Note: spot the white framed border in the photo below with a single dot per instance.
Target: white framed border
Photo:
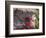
(25, 31)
